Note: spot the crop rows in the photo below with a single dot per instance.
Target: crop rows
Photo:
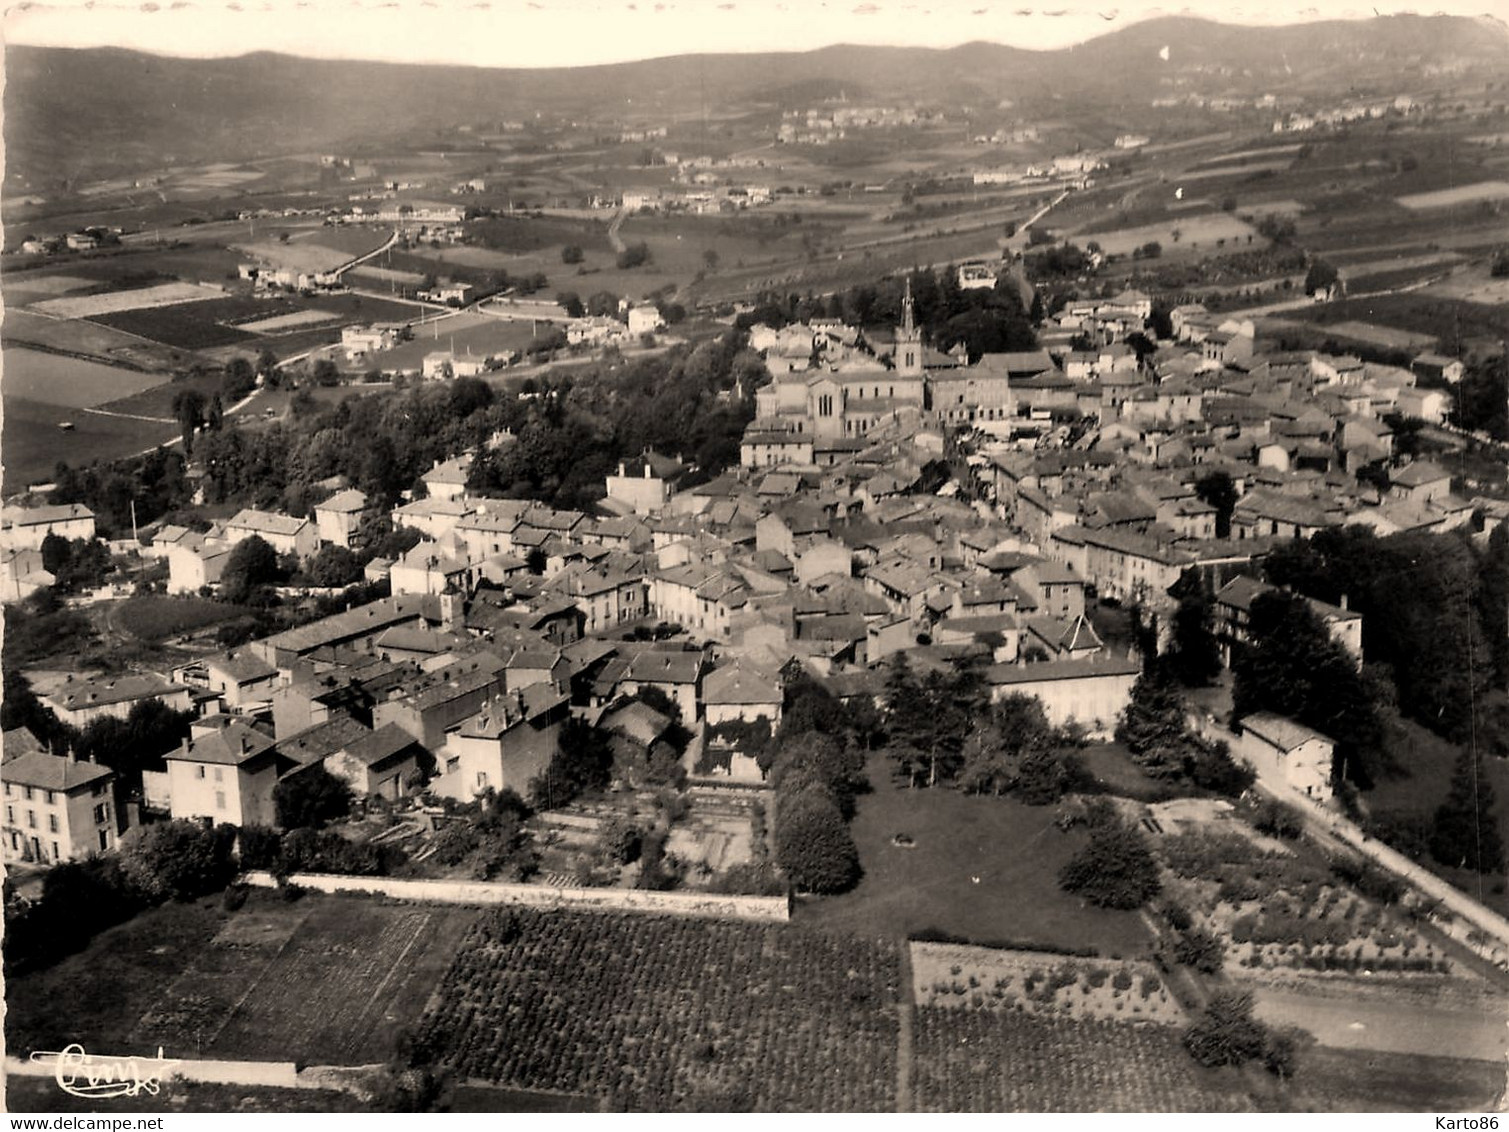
(989, 1061)
(653, 1014)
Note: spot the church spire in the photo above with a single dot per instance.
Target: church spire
(908, 338)
(906, 309)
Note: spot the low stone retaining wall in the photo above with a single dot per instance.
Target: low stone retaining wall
(767, 909)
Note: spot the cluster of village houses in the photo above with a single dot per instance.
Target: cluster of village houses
(821, 549)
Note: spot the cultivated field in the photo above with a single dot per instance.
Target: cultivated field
(295, 320)
(56, 379)
(140, 298)
(304, 254)
(471, 335)
(327, 982)
(23, 289)
(1386, 336)
(661, 1014)
(1462, 194)
(1008, 1061)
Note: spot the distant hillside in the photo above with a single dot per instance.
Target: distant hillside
(87, 112)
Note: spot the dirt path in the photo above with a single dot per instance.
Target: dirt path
(906, 1016)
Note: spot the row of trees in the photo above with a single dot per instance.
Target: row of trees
(943, 730)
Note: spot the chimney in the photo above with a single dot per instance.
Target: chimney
(1344, 601)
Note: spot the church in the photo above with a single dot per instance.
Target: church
(830, 408)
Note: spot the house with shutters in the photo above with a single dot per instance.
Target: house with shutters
(224, 776)
(57, 808)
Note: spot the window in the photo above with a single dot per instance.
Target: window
(31, 819)
(104, 840)
(28, 794)
(102, 813)
(52, 823)
(199, 772)
(482, 779)
(51, 798)
(219, 799)
(219, 774)
(56, 856)
(7, 790)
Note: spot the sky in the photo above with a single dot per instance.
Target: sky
(549, 33)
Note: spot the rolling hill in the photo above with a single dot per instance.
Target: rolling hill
(71, 113)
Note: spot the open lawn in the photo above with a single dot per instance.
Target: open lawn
(33, 443)
(158, 617)
(68, 382)
(1205, 231)
(981, 868)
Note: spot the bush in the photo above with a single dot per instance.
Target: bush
(1278, 819)
(1200, 951)
(310, 798)
(813, 845)
(178, 860)
(1115, 869)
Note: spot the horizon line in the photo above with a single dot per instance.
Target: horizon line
(137, 30)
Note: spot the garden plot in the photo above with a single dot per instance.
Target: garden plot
(1462, 194)
(1040, 984)
(1385, 336)
(715, 832)
(296, 255)
(112, 302)
(1280, 911)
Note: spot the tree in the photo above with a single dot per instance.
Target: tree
(571, 303)
(602, 303)
(334, 566)
(635, 255)
(325, 373)
(1321, 277)
(1010, 743)
(188, 410)
(1115, 869)
(178, 860)
(813, 760)
(239, 378)
(571, 253)
(1220, 491)
(1227, 1033)
(310, 798)
(812, 842)
(1194, 656)
(1482, 398)
(1466, 831)
(1200, 951)
(1291, 667)
(251, 564)
(1152, 726)
(582, 763)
